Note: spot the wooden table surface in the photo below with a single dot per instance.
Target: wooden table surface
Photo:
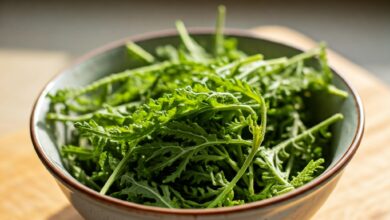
(27, 191)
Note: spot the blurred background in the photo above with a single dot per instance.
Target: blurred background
(39, 37)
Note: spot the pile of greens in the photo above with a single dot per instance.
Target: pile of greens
(193, 128)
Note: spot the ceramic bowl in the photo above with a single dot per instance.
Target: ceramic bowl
(301, 203)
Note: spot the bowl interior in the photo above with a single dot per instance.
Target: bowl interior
(116, 59)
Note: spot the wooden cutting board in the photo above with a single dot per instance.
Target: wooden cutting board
(27, 191)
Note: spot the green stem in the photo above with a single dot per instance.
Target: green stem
(240, 154)
(117, 171)
(139, 52)
(258, 137)
(303, 56)
(238, 63)
(198, 148)
(324, 62)
(238, 176)
(84, 117)
(251, 188)
(118, 77)
(316, 128)
(272, 168)
(290, 164)
(196, 51)
(229, 160)
(219, 37)
(233, 164)
(262, 63)
(336, 91)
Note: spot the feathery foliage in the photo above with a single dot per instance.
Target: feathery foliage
(198, 127)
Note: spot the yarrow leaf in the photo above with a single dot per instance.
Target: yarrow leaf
(199, 124)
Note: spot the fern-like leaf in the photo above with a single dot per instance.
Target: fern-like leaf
(308, 173)
(147, 191)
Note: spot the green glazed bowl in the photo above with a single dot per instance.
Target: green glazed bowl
(301, 203)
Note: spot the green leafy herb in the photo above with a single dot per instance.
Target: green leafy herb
(193, 128)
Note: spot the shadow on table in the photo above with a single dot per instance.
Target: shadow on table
(67, 213)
